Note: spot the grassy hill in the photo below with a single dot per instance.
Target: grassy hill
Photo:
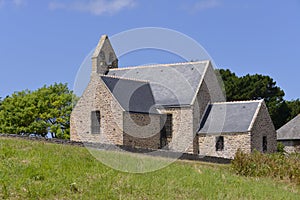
(38, 170)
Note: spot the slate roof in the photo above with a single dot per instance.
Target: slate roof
(229, 117)
(290, 131)
(133, 96)
(171, 84)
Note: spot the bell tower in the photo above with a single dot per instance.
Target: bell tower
(104, 57)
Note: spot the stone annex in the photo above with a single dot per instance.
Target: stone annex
(178, 107)
(289, 135)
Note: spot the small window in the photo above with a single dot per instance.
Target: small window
(219, 143)
(265, 144)
(168, 126)
(95, 122)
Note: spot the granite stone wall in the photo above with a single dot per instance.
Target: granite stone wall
(291, 146)
(182, 132)
(142, 130)
(232, 142)
(199, 107)
(97, 97)
(263, 126)
(214, 84)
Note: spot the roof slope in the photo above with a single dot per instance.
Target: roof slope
(172, 84)
(133, 96)
(229, 117)
(290, 131)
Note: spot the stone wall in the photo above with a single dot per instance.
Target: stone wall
(199, 107)
(209, 91)
(291, 146)
(186, 121)
(97, 97)
(214, 84)
(142, 130)
(263, 126)
(182, 134)
(232, 142)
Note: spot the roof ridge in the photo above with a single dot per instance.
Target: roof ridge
(125, 78)
(244, 101)
(156, 65)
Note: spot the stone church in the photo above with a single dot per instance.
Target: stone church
(178, 107)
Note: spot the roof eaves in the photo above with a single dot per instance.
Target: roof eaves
(174, 106)
(222, 133)
(235, 102)
(125, 78)
(287, 139)
(151, 113)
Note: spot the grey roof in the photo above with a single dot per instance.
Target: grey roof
(172, 84)
(133, 96)
(290, 131)
(229, 117)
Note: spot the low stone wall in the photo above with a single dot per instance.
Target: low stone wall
(41, 139)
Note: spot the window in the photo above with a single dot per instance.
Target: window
(168, 126)
(95, 122)
(220, 143)
(265, 144)
(166, 132)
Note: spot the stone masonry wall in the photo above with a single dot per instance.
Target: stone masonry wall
(142, 130)
(291, 146)
(199, 106)
(232, 142)
(263, 126)
(97, 97)
(210, 91)
(182, 134)
(214, 85)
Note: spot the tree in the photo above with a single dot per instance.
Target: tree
(46, 110)
(294, 107)
(254, 87)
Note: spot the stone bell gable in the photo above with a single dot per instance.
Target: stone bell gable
(104, 57)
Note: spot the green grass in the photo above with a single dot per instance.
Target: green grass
(37, 170)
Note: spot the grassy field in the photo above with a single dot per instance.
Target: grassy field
(37, 170)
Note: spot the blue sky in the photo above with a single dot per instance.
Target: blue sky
(43, 42)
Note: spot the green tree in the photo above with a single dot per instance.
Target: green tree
(254, 87)
(46, 110)
(294, 107)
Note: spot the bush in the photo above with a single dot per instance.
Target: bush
(275, 165)
(280, 148)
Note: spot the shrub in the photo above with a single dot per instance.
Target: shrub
(280, 148)
(275, 165)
